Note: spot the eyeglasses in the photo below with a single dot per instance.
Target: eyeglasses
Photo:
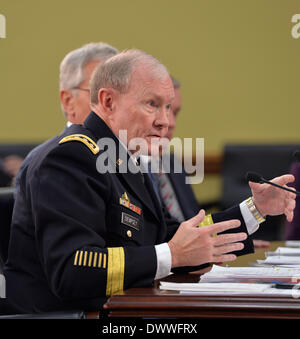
(82, 89)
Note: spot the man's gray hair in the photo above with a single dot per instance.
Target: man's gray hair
(116, 72)
(72, 66)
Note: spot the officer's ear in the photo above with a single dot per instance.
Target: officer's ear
(107, 98)
(67, 102)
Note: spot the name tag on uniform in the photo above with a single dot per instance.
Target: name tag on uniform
(130, 221)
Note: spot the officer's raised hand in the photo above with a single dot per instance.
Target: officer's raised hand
(270, 200)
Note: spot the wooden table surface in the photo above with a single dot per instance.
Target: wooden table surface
(153, 302)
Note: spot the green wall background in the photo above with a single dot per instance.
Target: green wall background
(236, 60)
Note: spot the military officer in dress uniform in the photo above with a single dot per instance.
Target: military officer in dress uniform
(81, 233)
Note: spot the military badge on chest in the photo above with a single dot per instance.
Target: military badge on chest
(125, 201)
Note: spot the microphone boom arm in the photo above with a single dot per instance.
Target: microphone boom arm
(284, 188)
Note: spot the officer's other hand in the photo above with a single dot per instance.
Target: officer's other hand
(270, 200)
(192, 245)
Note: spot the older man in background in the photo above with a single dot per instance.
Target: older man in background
(76, 71)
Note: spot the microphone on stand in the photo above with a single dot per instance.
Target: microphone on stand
(255, 177)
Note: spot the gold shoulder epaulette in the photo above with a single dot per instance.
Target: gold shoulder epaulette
(84, 139)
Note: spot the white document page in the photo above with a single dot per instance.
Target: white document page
(287, 251)
(231, 274)
(267, 292)
(292, 243)
(281, 260)
(214, 287)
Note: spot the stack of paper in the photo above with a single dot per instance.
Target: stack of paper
(245, 281)
(249, 274)
(283, 257)
(285, 251)
(280, 267)
(286, 261)
(292, 243)
(216, 288)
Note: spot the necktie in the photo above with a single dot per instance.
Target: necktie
(155, 185)
(168, 196)
(146, 169)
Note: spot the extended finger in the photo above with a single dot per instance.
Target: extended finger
(284, 179)
(228, 248)
(223, 239)
(290, 194)
(289, 214)
(224, 258)
(223, 226)
(197, 219)
(290, 204)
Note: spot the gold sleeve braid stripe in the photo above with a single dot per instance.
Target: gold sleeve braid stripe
(84, 139)
(115, 270)
(90, 259)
